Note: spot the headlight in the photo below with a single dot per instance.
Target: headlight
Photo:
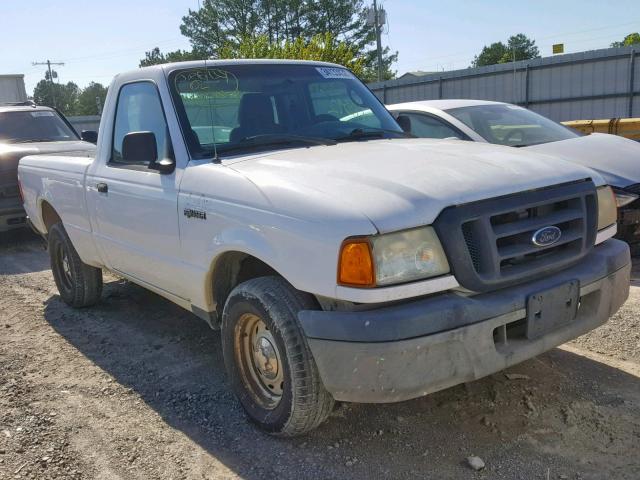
(607, 211)
(624, 198)
(392, 258)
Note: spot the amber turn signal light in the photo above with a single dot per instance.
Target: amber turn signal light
(356, 264)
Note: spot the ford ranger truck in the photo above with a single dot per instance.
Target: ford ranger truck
(341, 259)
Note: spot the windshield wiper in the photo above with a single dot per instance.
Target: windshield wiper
(361, 133)
(275, 139)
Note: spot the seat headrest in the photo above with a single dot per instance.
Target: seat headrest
(256, 109)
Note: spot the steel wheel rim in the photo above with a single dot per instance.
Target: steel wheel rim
(260, 360)
(65, 267)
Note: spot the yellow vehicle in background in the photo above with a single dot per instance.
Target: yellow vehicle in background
(624, 127)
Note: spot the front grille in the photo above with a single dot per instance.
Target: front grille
(9, 191)
(489, 243)
(472, 244)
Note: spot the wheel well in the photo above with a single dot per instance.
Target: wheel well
(230, 270)
(49, 215)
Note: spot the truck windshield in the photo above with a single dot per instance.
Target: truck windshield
(34, 126)
(245, 107)
(511, 125)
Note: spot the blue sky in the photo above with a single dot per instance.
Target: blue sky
(98, 39)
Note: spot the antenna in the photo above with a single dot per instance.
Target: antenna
(216, 159)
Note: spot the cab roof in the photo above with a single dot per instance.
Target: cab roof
(23, 107)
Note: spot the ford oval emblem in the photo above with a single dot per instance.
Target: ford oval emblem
(546, 236)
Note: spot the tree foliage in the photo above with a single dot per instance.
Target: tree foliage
(320, 47)
(520, 46)
(91, 99)
(69, 98)
(221, 26)
(631, 39)
(62, 96)
(155, 57)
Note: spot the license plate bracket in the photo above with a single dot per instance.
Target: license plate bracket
(552, 308)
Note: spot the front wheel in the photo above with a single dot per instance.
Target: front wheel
(79, 284)
(269, 364)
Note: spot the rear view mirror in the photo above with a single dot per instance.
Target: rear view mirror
(404, 122)
(90, 136)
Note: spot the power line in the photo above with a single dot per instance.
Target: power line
(48, 63)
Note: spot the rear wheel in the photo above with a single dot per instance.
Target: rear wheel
(269, 364)
(79, 284)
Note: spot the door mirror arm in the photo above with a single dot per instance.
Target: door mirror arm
(164, 166)
(405, 123)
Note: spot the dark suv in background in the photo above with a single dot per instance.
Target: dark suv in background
(28, 129)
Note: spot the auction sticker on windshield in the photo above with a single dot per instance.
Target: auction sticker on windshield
(332, 72)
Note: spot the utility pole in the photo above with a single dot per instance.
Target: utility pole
(51, 86)
(376, 20)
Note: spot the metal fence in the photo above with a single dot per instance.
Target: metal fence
(85, 122)
(586, 85)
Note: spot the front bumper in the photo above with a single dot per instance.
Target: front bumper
(12, 218)
(411, 349)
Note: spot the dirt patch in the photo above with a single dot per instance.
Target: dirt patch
(135, 388)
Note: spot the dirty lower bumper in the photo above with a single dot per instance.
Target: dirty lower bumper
(12, 218)
(414, 348)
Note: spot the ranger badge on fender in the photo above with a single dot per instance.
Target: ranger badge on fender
(191, 213)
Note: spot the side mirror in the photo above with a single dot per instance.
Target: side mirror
(166, 165)
(140, 147)
(404, 122)
(90, 136)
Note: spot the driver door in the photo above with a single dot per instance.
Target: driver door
(135, 208)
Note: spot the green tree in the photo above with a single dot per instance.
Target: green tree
(155, 57)
(490, 55)
(519, 45)
(323, 48)
(91, 100)
(631, 39)
(62, 96)
(218, 24)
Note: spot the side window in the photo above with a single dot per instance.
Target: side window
(426, 126)
(139, 110)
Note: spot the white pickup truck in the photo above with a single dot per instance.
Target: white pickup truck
(341, 259)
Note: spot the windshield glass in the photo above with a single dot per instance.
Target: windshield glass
(511, 125)
(245, 107)
(34, 126)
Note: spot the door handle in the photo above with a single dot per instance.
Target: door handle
(102, 187)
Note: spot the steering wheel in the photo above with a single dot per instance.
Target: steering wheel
(507, 138)
(325, 117)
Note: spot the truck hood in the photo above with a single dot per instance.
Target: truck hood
(11, 153)
(401, 183)
(616, 158)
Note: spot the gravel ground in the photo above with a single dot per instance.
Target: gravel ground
(134, 388)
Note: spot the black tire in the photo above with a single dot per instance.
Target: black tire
(79, 284)
(303, 403)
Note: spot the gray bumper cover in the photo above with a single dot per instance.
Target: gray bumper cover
(414, 348)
